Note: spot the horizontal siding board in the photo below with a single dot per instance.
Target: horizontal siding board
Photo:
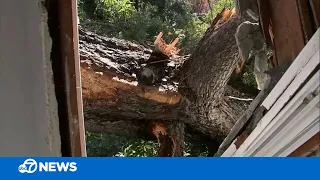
(304, 137)
(291, 120)
(266, 125)
(293, 126)
(303, 58)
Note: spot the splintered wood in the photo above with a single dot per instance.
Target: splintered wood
(159, 129)
(223, 17)
(169, 144)
(168, 49)
(171, 50)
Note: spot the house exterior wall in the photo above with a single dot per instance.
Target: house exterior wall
(29, 124)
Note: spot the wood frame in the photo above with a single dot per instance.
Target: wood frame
(71, 65)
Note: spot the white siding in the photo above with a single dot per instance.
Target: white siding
(290, 121)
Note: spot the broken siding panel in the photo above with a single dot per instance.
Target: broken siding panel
(299, 79)
(303, 58)
(296, 125)
(297, 67)
(231, 150)
(264, 128)
(304, 136)
(268, 129)
(283, 112)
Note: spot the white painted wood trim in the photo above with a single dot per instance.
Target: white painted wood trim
(290, 121)
(304, 137)
(267, 124)
(231, 150)
(302, 59)
(292, 127)
(286, 149)
(294, 85)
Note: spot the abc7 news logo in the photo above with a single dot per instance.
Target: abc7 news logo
(29, 166)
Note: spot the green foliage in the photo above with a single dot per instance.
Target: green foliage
(109, 145)
(192, 150)
(139, 148)
(104, 145)
(248, 77)
(143, 21)
(192, 33)
(246, 81)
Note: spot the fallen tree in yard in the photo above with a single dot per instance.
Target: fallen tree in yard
(133, 91)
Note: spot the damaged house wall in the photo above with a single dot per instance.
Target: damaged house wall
(29, 123)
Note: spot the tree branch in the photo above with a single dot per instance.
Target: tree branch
(112, 95)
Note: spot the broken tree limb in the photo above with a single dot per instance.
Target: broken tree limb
(167, 49)
(191, 93)
(107, 100)
(105, 95)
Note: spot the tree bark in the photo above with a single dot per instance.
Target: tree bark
(189, 97)
(205, 76)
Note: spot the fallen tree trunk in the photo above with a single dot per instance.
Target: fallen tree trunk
(205, 76)
(192, 95)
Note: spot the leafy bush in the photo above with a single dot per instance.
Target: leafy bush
(121, 19)
(104, 145)
(109, 145)
(139, 148)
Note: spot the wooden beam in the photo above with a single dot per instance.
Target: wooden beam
(306, 20)
(315, 6)
(265, 20)
(287, 30)
(71, 66)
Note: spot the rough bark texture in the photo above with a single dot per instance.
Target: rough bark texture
(206, 74)
(188, 95)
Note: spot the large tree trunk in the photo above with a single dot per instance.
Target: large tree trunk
(205, 76)
(191, 102)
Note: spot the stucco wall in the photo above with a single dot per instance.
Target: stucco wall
(28, 109)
